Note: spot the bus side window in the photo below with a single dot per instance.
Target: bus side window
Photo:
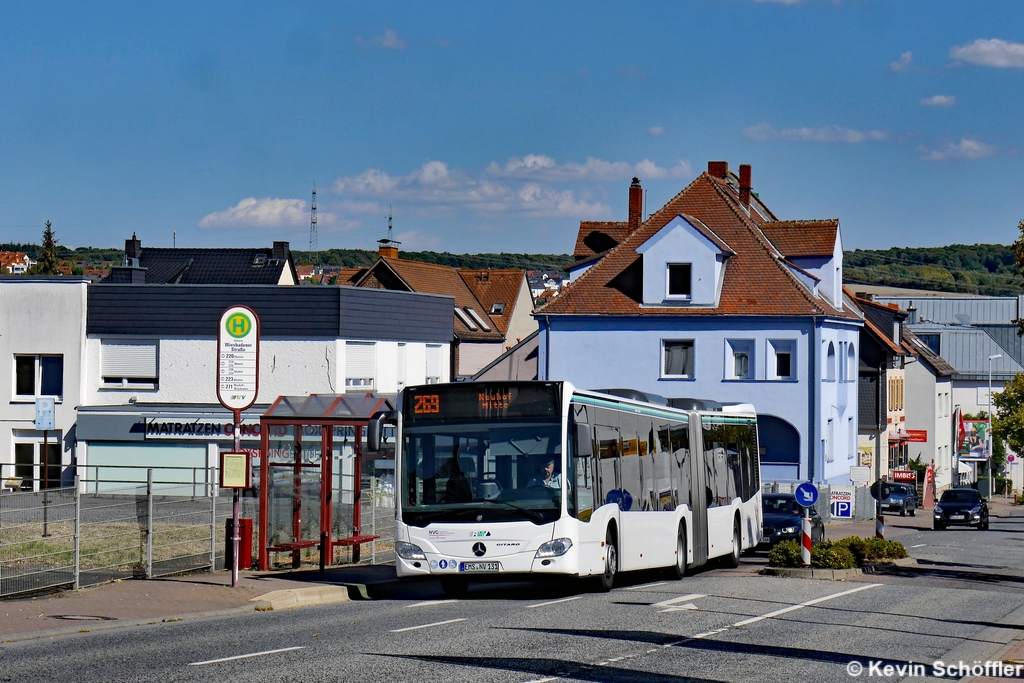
(582, 461)
(608, 454)
(680, 460)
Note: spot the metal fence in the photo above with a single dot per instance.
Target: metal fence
(88, 533)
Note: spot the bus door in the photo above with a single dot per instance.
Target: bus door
(698, 492)
(608, 447)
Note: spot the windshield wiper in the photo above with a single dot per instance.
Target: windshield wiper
(531, 514)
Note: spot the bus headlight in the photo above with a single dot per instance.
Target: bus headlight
(559, 546)
(409, 551)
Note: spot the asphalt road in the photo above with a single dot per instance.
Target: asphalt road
(715, 625)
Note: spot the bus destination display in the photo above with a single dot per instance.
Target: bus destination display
(479, 400)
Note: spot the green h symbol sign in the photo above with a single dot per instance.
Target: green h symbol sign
(238, 325)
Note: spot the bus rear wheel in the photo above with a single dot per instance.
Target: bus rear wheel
(679, 570)
(611, 562)
(737, 546)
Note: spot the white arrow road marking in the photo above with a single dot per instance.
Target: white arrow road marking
(681, 598)
(436, 623)
(252, 654)
(680, 608)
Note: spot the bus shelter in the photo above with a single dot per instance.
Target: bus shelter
(310, 474)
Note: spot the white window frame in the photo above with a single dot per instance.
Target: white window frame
(737, 347)
(362, 381)
(37, 380)
(775, 347)
(668, 279)
(461, 315)
(476, 317)
(435, 377)
(693, 358)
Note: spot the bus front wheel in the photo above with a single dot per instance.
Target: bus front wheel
(611, 562)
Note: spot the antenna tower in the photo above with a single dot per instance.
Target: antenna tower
(314, 245)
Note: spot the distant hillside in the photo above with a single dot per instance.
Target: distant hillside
(971, 269)
(357, 258)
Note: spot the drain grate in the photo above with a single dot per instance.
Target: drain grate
(81, 617)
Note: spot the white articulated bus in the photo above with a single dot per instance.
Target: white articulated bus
(533, 479)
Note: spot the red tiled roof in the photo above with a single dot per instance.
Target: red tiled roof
(802, 238)
(496, 286)
(10, 258)
(430, 278)
(597, 237)
(755, 281)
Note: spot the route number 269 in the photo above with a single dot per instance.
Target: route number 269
(427, 403)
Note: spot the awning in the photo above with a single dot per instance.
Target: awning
(899, 436)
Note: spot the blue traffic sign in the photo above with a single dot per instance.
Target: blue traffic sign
(806, 494)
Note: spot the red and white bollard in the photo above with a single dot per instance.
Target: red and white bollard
(805, 542)
(880, 526)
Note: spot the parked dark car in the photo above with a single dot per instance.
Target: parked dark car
(783, 517)
(961, 506)
(901, 498)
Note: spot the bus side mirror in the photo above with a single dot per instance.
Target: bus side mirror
(584, 443)
(375, 428)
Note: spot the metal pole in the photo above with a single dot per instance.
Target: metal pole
(149, 523)
(46, 483)
(805, 538)
(213, 523)
(235, 505)
(77, 561)
(991, 440)
(373, 519)
(879, 519)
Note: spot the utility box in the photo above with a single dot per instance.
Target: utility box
(244, 543)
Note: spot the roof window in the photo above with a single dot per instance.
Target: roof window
(461, 315)
(260, 259)
(497, 308)
(479, 320)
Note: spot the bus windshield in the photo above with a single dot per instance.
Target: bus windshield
(477, 471)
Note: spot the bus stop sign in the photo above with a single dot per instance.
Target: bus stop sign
(806, 494)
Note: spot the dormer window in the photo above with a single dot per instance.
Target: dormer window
(680, 284)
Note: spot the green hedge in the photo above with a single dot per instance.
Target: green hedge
(846, 553)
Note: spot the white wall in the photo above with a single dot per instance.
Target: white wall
(475, 357)
(680, 242)
(188, 370)
(522, 324)
(40, 317)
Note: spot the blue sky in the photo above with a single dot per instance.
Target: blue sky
(494, 127)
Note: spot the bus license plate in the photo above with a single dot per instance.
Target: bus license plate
(478, 567)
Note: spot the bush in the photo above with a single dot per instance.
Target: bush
(829, 555)
(871, 549)
(784, 554)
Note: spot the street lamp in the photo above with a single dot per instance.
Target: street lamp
(991, 441)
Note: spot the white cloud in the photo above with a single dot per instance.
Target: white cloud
(967, 148)
(435, 184)
(390, 40)
(832, 134)
(655, 130)
(902, 64)
(939, 101)
(262, 213)
(990, 52)
(542, 167)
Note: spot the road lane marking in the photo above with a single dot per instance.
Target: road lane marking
(809, 603)
(428, 603)
(554, 602)
(681, 598)
(646, 585)
(919, 545)
(679, 608)
(436, 623)
(252, 654)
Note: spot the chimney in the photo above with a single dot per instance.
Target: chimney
(636, 205)
(388, 248)
(718, 169)
(745, 184)
(912, 318)
(133, 248)
(281, 250)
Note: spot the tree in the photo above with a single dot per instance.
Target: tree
(1008, 419)
(47, 264)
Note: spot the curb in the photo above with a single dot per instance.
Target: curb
(300, 597)
(827, 574)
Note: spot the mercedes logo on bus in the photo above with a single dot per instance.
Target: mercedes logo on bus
(479, 549)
